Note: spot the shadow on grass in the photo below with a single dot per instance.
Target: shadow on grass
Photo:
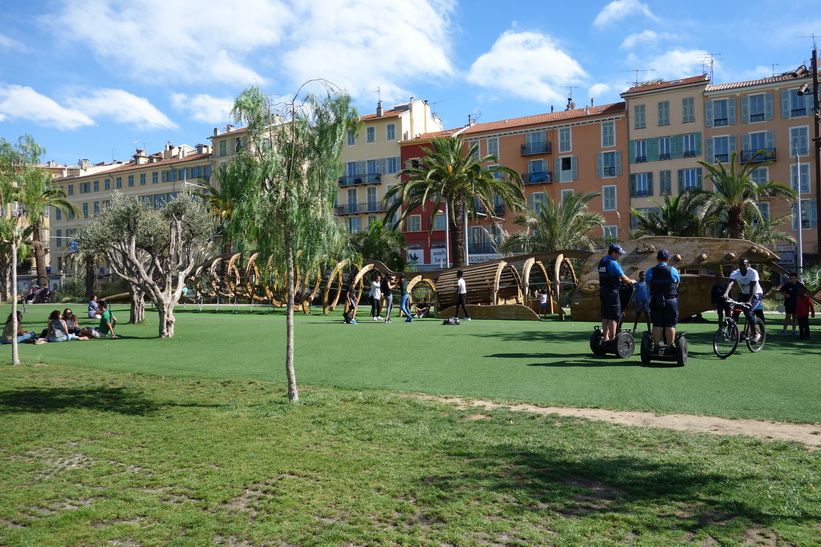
(568, 360)
(565, 486)
(105, 399)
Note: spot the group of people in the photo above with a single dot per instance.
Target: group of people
(63, 327)
(655, 296)
(383, 287)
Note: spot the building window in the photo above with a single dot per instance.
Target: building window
(760, 175)
(566, 194)
(439, 223)
(393, 164)
(805, 178)
(764, 209)
(689, 179)
(534, 199)
(96, 208)
(373, 203)
(351, 137)
(688, 110)
(370, 134)
(794, 105)
(70, 190)
(608, 164)
(118, 182)
(565, 140)
(351, 200)
(799, 141)
(720, 112)
(634, 218)
(608, 134)
(689, 145)
(720, 116)
(809, 215)
(641, 185)
(106, 184)
(354, 225)
(611, 233)
(535, 143)
(664, 112)
(59, 238)
(223, 148)
(721, 149)
(130, 181)
(566, 169)
(414, 223)
(142, 179)
(58, 214)
(608, 198)
(96, 185)
(493, 147)
(639, 118)
(85, 210)
(390, 132)
(640, 151)
(754, 108)
(664, 148)
(665, 183)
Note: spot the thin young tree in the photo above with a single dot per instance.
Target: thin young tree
(455, 177)
(287, 185)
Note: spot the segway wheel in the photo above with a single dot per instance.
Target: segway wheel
(646, 348)
(625, 345)
(681, 351)
(596, 345)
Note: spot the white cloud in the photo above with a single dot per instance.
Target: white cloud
(622, 9)
(10, 43)
(528, 65)
(123, 107)
(18, 102)
(675, 64)
(648, 38)
(203, 107)
(599, 90)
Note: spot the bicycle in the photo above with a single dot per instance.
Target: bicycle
(728, 335)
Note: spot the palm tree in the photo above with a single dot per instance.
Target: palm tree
(452, 175)
(764, 232)
(565, 224)
(677, 216)
(736, 194)
(218, 199)
(383, 243)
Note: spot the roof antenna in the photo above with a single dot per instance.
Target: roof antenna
(570, 104)
(637, 70)
(712, 62)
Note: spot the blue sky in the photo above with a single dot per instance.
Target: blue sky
(97, 79)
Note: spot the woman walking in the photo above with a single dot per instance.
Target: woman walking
(404, 303)
(388, 285)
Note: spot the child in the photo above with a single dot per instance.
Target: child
(350, 315)
(803, 309)
(641, 301)
(543, 302)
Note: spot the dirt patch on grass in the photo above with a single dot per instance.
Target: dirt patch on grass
(807, 434)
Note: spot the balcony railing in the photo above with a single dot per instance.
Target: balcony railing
(352, 180)
(537, 177)
(533, 148)
(762, 154)
(481, 249)
(359, 208)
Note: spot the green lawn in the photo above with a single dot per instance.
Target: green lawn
(545, 362)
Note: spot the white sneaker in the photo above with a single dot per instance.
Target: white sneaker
(467, 318)
(757, 337)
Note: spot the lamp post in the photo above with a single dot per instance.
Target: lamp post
(816, 112)
(447, 236)
(799, 255)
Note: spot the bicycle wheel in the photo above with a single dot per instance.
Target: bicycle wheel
(758, 345)
(725, 340)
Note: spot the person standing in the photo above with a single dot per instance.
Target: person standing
(543, 302)
(404, 303)
(641, 301)
(611, 276)
(351, 298)
(388, 284)
(790, 292)
(803, 309)
(663, 281)
(375, 296)
(107, 321)
(461, 295)
(751, 292)
(720, 304)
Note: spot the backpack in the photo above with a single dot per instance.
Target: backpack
(451, 321)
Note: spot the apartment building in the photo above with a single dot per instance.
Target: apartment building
(372, 161)
(767, 120)
(153, 179)
(666, 139)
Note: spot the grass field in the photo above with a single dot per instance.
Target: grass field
(191, 440)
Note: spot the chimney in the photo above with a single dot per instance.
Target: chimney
(216, 131)
(591, 101)
(229, 128)
(379, 110)
(140, 158)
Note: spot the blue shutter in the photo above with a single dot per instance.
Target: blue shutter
(746, 143)
(557, 168)
(770, 139)
(632, 186)
(745, 109)
(631, 151)
(681, 181)
(731, 110)
(812, 213)
(785, 104)
(574, 174)
(732, 141)
(708, 113)
(599, 165)
(649, 184)
(710, 156)
(768, 106)
(699, 178)
(618, 163)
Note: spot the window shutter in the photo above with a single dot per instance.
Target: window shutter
(599, 165)
(812, 213)
(745, 109)
(574, 168)
(785, 104)
(770, 139)
(649, 184)
(745, 143)
(731, 110)
(653, 149)
(631, 151)
(699, 177)
(768, 106)
(557, 169)
(708, 113)
(632, 186)
(732, 143)
(698, 143)
(710, 157)
(618, 163)
(675, 146)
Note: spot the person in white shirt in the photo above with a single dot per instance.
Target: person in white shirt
(748, 283)
(461, 295)
(375, 296)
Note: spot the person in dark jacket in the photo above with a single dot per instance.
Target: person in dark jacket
(663, 281)
(611, 276)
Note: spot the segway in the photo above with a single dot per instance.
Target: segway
(677, 352)
(623, 344)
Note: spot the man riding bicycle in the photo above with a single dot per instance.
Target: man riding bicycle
(751, 292)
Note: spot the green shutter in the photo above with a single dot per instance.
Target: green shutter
(732, 141)
(631, 151)
(680, 181)
(649, 184)
(599, 165)
(746, 144)
(676, 142)
(698, 143)
(710, 157)
(708, 113)
(632, 186)
(653, 149)
(574, 168)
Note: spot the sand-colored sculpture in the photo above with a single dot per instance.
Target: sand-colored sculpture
(696, 258)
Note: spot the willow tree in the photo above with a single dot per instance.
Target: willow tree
(286, 186)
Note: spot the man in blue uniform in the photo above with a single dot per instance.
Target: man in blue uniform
(663, 281)
(610, 277)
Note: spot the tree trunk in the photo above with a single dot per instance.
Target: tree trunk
(39, 256)
(458, 238)
(167, 319)
(5, 273)
(137, 314)
(735, 224)
(15, 350)
(293, 393)
(90, 275)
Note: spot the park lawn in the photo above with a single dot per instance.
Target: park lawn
(90, 456)
(546, 362)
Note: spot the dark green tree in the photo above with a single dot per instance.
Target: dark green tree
(677, 216)
(383, 243)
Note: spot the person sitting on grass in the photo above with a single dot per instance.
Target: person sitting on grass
(74, 327)
(107, 321)
(93, 308)
(58, 330)
(422, 308)
(22, 336)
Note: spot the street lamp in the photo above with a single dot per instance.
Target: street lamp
(816, 112)
(447, 236)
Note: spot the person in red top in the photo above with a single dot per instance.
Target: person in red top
(803, 309)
